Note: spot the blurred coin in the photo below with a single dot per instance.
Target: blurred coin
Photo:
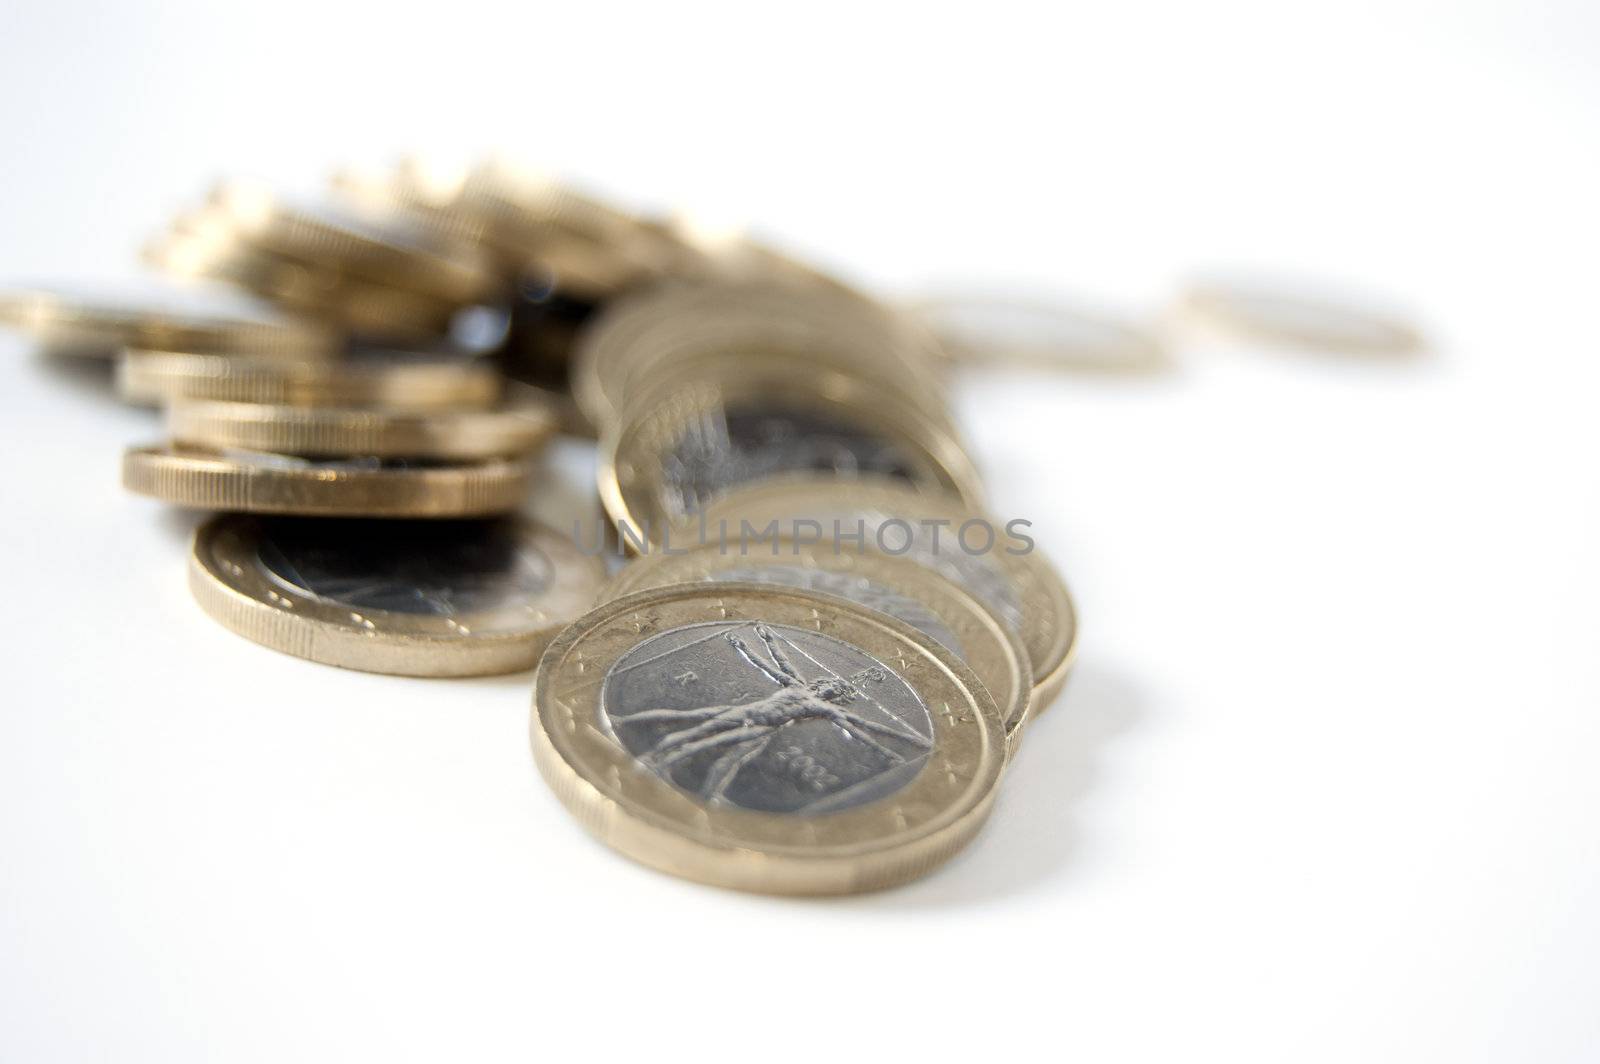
(1299, 314)
(682, 447)
(766, 738)
(902, 588)
(387, 255)
(645, 338)
(996, 562)
(1043, 333)
(394, 380)
(415, 598)
(76, 325)
(520, 426)
(255, 482)
(202, 245)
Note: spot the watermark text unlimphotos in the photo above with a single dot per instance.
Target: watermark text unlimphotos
(974, 537)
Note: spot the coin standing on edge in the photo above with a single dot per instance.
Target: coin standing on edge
(520, 427)
(766, 739)
(1022, 588)
(254, 482)
(397, 383)
(900, 587)
(422, 598)
(679, 449)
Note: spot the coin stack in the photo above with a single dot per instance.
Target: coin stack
(814, 670)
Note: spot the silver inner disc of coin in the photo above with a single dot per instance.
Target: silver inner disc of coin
(767, 717)
(746, 443)
(447, 569)
(856, 589)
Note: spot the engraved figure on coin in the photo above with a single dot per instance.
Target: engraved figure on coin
(767, 751)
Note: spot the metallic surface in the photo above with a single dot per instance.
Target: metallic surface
(1022, 588)
(789, 821)
(416, 598)
(902, 588)
(521, 427)
(254, 482)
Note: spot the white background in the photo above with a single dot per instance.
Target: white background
(1324, 786)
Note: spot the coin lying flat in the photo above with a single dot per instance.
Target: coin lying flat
(412, 598)
(396, 382)
(254, 482)
(66, 324)
(766, 738)
(1301, 316)
(1046, 334)
(518, 427)
(987, 558)
(904, 589)
(680, 449)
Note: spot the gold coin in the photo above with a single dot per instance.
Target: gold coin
(526, 221)
(904, 589)
(413, 598)
(1300, 317)
(689, 444)
(352, 487)
(396, 382)
(1046, 334)
(518, 427)
(765, 738)
(645, 338)
(254, 216)
(65, 324)
(200, 247)
(890, 517)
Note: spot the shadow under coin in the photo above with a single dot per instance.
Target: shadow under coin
(1034, 834)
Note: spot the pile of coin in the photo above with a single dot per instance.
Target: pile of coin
(812, 673)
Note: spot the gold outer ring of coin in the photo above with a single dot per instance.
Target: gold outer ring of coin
(74, 326)
(993, 649)
(160, 377)
(1268, 316)
(231, 587)
(1103, 343)
(264, 483)
(517, 428)
(630, 474)
(879, 844)
(642, 337)
(1045, 616)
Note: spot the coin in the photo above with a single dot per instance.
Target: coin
(200, 246)
(393, 380)
(683, 448)
(350, 487)
(66, 324)
(904, 589)
(766, 738)
(387, 255)
(413, 598)
(1044, 333)
(641, 339)
(518, 427)
(1299, 315)
(993, 562)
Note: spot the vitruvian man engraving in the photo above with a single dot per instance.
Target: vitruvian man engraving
(763, 747)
